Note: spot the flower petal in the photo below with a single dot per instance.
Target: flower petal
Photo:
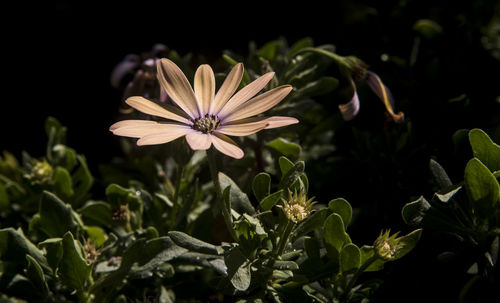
(244, 94)
(350, 109)
(242, 129)
(226, 146)
(272, 122)
(227, 89)
(204, 87)
(198, 141)
(164, 136)
(178, 88)
(379, 88)
(131, 128)
(151, 108)
(259, 104)
(127, 123)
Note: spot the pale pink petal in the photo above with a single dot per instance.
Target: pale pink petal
(178, 88)
(272, 122)
(226, 146)
(350, 109)
(126, 123)
(151, 108)
(138, 130)
(198, 141)
(227, 89)
(204, 87)
(259, 104)
(243, 129)
(164, 137)
(245, 94)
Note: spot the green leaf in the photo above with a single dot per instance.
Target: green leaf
(312, 222)
(193, 244)
(482, 188)
(285, 165)
(343, 208)
(270, 49)
(62, 183)
(54, 251)
(420, 213)
(261, 185)
(409, 242)
(297, 46)
(268, 202)
(288, 181)
(238, 269)
(414, 212)
(286, 148)
(14, 246)
(96, 235)
(73, 268)
(445, 196)
(64, 156)
(96, 212)
(366, 255)
(145, 255)
(56, 217)
(350, 258)
(484, 149)
(239, 200)
(319, 87)
(82, 181)
(285, 265)
(440, 175)
(334, 234)
(35, 274)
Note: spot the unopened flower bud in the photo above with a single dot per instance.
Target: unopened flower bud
(386, 247)
(39, 172)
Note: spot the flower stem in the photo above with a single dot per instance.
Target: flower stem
(215, 178)
(175, 202)
(284, 238)
(356, 275)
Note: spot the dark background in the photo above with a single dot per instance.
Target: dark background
(58, 57)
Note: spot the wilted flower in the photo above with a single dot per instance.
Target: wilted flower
(297, 207)
(204, 117)
(386, 247)
(357, 71)
(39, 172)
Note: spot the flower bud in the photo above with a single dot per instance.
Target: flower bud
(386, 247)
(297, 207)
(39, 172)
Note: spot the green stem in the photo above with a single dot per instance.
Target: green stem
(338, 59)
(175, 202)
(356, 275)
(284, 238)
(215, 178)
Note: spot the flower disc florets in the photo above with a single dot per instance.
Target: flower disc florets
(297, 207)
(206, 124)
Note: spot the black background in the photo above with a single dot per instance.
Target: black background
(58, 57)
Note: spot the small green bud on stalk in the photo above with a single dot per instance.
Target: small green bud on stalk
(386, 247)
(39, 172)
